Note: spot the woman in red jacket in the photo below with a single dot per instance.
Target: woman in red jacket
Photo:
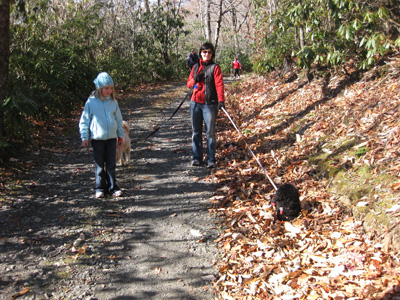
(208, 97)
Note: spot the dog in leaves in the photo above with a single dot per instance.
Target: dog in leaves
(287, 202)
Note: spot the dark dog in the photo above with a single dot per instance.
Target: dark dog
(287, 202)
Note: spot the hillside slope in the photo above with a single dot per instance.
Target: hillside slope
(336, 138)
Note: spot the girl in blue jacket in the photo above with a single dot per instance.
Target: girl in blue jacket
(101, 122)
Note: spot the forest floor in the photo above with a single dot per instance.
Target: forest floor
(59, 242)
(335, 136)
(190, 233)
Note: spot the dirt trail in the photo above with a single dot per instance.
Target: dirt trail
(58, 242)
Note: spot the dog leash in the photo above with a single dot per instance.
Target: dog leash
(258, 161)
(176, 110)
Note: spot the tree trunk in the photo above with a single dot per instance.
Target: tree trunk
(301, 35)
(4, 55)
(301, 32)
(146, 5)
(234, 28)
(218, 25)
(239, 12)
(208, 20)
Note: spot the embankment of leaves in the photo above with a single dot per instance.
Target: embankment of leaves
(336, 138)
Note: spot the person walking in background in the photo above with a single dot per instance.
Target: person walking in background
(207, 98)
(236, 68)
(192, 60)
(101, 122)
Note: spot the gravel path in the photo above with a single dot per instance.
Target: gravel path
(156, 242)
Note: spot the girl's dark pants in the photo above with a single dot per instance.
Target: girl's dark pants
(104, 156)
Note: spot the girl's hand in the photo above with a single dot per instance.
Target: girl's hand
(85, 144)
(120, 141)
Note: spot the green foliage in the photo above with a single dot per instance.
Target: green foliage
(334, 31)
(275, 48)
(362, 151)
(57, 50)
(18, 110)
(164, 25)
(56, 76)
(53, 72)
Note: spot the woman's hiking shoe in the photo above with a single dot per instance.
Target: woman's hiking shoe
(117, 193)
(99, 195)
(196, 163)
(211, 165)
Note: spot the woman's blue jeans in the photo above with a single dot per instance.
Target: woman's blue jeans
(104, 159)
(207, 113)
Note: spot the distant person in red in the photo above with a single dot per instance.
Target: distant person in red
(236, 67)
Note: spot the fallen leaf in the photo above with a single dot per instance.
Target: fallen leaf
(20, 293)
(157, 271)
(396, 186)
(227, 245)
(394, 208)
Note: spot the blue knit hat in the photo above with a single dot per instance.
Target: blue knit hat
(102, 80)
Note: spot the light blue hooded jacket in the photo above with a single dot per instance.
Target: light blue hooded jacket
(102, 120)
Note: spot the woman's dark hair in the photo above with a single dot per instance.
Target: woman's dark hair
(207, 46)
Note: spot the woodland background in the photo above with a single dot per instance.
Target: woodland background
(50, 51)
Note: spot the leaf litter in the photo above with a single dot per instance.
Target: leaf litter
(327, 252)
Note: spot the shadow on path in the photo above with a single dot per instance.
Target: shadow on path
(156, 242)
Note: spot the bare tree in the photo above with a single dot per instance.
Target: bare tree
(239, 12)
(301, 32)
(272, 10)
(234, 19)
(207, 16)
(218, 23)
(146, 5)
(4, 54)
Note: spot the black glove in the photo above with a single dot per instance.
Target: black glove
(199, 77)
(221, 105)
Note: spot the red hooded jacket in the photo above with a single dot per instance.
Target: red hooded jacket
(198, 93)
(236, 64)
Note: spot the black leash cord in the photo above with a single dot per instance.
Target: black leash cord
(176, 110)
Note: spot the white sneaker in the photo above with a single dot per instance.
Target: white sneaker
(99, 195)
(117, 193)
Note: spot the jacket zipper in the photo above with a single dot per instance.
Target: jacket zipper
(106, 118)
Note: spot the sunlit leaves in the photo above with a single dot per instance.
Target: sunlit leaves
(326, 253)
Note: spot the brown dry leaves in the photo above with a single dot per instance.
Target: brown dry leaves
(325, 253)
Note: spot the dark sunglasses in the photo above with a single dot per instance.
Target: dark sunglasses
(206, 51)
